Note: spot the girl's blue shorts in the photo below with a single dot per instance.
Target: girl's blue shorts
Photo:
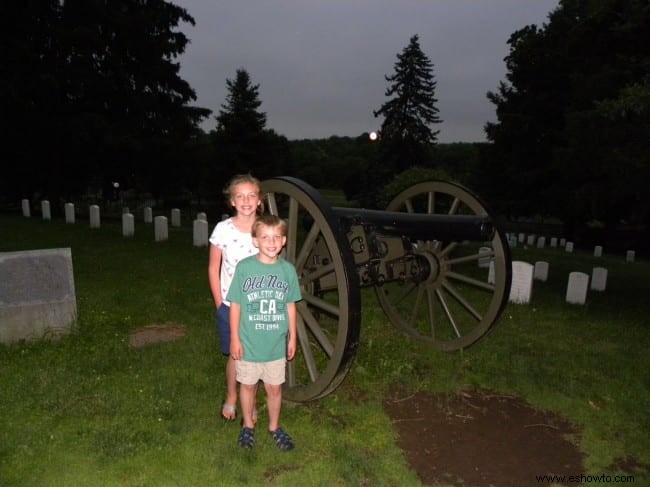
(222, 314)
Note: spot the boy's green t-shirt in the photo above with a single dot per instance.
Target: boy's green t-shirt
(263, 291)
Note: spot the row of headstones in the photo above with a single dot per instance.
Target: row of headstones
(523, 274)
(514, 239)
(161, 223)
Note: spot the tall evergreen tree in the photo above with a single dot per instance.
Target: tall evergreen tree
(407, 137)
(242, 143)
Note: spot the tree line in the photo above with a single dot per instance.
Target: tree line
(92, 96)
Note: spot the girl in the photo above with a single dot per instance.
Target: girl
(230, 242)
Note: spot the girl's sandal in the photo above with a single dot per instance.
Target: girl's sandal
(228, 411)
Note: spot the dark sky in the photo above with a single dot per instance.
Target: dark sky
(320, 64)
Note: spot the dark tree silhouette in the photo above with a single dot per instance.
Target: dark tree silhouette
(406, 134)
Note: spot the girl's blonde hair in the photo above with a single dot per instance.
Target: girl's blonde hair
(229, 190)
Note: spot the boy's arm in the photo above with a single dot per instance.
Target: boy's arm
(291, 343)
(236, 351)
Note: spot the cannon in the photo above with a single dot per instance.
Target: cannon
(440, 268)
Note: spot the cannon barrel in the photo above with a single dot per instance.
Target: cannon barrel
(421, 226)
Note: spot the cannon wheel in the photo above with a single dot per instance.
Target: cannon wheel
(464, 294)
(329, 315)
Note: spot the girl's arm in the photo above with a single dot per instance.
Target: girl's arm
(214, 274)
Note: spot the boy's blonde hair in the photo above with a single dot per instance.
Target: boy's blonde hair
(269, 221)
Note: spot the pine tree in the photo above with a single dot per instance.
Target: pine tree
(406, 134)
(239, 116)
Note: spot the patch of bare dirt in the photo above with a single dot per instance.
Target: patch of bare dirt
(481, 439)
(147, 335)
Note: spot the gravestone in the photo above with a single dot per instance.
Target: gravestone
(45, 210)
(522, 237)
(541, 271)
(176, 217)
(200, 233)
(161, 229)
(541, 242)
(531, 240)
(37, 294)
(562, 242)
(27, 212)
(598, 251)
(554, 242)
(68, 209)
(629, 256)
(148, 214)
(522, 282)
(484, 256)
(598, 278)
(128, 225)
(576, 292)
(93, 210)
(569, 247)
(202, 216)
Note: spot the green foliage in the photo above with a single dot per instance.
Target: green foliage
(407, 179)
(407, 138)
(96, 83)
(567, 141)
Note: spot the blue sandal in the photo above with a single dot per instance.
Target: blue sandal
(246, 438)
(282, 440)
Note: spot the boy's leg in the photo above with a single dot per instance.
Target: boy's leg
(274, 404)
(231, 381)
(247, 399)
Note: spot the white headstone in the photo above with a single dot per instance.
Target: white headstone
(128, 225)
(512, 241)
(485, 256)
(541, 242)
(37, 294)
(45, 210)
(522, 237)
(176, 217)
(69, 212)
(148, 214)
(629, 256)
(200, 233)
(26, 209)
(569, 247)
(576, 292)
(522, 282)
(598, 251)
(161, 229)
(598, 278)
(530, 240)
(541, 270)
(562, 242)
(94, 216)
(554, 242)
(202, 216)
(125, 210)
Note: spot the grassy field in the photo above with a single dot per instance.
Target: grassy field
(89, 410)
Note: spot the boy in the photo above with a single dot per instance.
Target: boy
(263, 297)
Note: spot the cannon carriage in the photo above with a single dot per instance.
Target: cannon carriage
(440, 268)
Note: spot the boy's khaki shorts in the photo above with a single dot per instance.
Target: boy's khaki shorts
(250, 373)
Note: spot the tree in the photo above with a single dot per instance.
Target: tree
(242, 143)
(114, 105)
(406, 134)
(567, 140)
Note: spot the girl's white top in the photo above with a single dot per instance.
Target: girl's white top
(234, 245)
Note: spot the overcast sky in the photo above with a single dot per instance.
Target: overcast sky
(320, 64)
